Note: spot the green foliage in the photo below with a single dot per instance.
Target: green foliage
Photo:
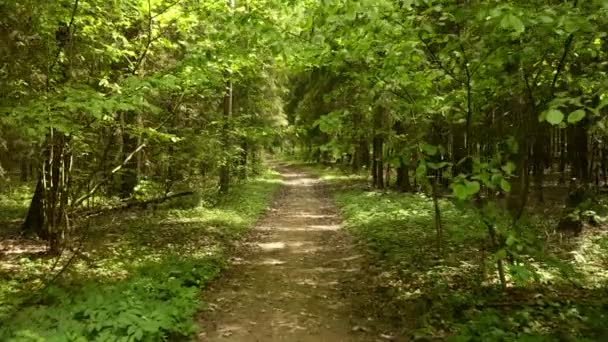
(455, 294)
(14, 199)
(157, 301)
(512, 22)
(141, 277)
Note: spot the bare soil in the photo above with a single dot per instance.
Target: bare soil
(292, 279)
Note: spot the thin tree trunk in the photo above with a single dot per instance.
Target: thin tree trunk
(438, 226)
(225, 168)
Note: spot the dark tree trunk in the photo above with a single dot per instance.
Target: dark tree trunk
(361, 158)
(562, 155)
(403, 177)
(459, 150)
(403, 170)
(604, 164)
(46, 215)
(224, 173)
(579, 153)
(34, 222)
(244, 159)
(540, 157)
(25, 169)
(378, 149)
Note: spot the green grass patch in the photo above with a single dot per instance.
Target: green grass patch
(14, 201)
(138, 275)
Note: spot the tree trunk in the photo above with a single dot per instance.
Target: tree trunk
(46, 216)
(378, 164)
(459, 150)
(562, 155)
(540, 156)
(403, 177)
(378, 149)
(224, 174)
(34, 222)
(244, 159)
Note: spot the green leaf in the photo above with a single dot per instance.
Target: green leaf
(497, 178)
(576, 116)
(472, 187)
(429, 149)
(510, 240)
(421, 170)
(501, 254)
(554, 116)
(505, 185)
(460, 191)
(466, 189)
(512, 144)
(509, 168)
(512, 22)
(437, 166)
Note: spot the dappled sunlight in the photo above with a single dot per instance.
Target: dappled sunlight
(590, 256)
(270, 261)
(297, 180)
(311, 228)
(308, 215)
(291, 324)
(304, 183)
(316, 282)
(270, 181)
(332, 227)
(19, 247)
(271, 246)
(291, 246)
(321, 269)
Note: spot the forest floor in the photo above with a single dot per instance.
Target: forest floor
(294, 277)
(133, 275)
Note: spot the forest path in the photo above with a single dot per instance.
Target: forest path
(290, 279)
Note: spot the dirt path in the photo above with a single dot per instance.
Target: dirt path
(287, 282)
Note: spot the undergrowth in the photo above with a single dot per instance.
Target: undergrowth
(557, 290)
(14, 199)
(136, 277)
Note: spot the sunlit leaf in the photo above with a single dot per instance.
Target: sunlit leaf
(554, 116)
(576, 116)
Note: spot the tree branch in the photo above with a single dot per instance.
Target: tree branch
(149, 42)
(562, 61)
(105, 180)
(164, 10)
(438, 61)
(63, 43)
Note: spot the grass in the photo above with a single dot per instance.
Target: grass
(138, 275)
(14, 201)
(557, 291)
